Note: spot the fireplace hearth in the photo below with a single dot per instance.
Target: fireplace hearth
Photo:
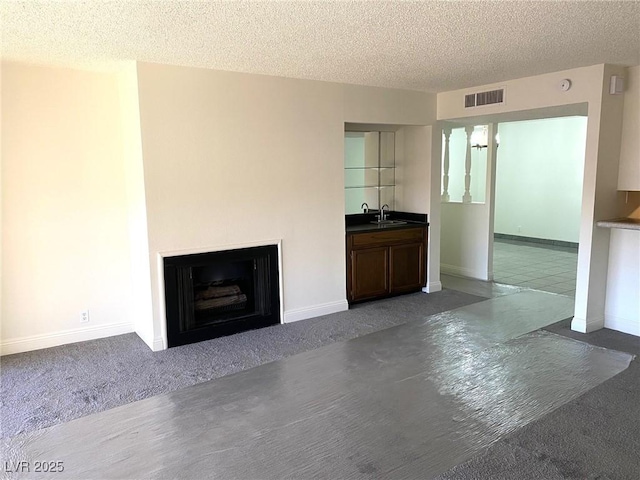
(214, 294)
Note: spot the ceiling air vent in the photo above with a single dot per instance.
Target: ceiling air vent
(484, 98)
(470, 100)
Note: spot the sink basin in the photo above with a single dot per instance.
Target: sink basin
(390, 222)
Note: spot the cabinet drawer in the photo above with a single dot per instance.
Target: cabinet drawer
(387, 237)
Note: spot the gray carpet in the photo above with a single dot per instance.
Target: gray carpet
(410, 401)
(601, 338)
(596, 436)
(593, 436)
(47, 387)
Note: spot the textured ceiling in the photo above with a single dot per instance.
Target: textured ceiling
(431, 45)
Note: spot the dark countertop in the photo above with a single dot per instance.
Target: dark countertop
(362, 222)
(625, 223)
(369, 227)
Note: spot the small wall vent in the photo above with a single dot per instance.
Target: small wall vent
(479, 99)
(470, 100)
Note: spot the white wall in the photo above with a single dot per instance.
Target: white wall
(387, 106)
(64, 208)
(622, 308)
(529, 98)
(141, 300)
(599, 201)
(622, 311)
(231, 159)
(465, 240)
(539, 178)
(102, 174)
(412, 169)
(629, 174)
(526, 94)
(272, 147)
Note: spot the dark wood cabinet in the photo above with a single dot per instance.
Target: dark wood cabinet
(382, 263)
(369, 272)
(406, 267)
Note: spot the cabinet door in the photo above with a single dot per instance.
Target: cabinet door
(369, 273)
(407, 267)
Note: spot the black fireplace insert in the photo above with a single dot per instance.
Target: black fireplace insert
(210, 295)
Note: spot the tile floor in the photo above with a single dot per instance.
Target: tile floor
(533, 265)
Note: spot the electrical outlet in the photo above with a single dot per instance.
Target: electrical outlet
(84, 316)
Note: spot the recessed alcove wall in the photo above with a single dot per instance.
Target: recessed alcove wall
(232, 158)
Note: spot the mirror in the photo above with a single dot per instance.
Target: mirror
(369, 170)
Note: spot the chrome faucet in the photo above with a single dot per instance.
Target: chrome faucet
(383, 216)
(365, 207)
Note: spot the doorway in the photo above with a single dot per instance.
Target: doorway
(538, 193)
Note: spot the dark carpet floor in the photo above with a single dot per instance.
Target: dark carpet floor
(55, 385)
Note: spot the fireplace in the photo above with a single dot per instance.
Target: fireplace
(210, 295)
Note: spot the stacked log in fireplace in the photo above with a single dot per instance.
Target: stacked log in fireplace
(220, 297)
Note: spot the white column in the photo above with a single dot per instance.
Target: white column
(445, 172)
(466, 198)
(434, 206)
(492, 158)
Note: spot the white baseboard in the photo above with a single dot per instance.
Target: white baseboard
(432, 287)
(624, 325)
(36, 342)
(461, 271)
(583, 325)
(156, 344)
(315, 311)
